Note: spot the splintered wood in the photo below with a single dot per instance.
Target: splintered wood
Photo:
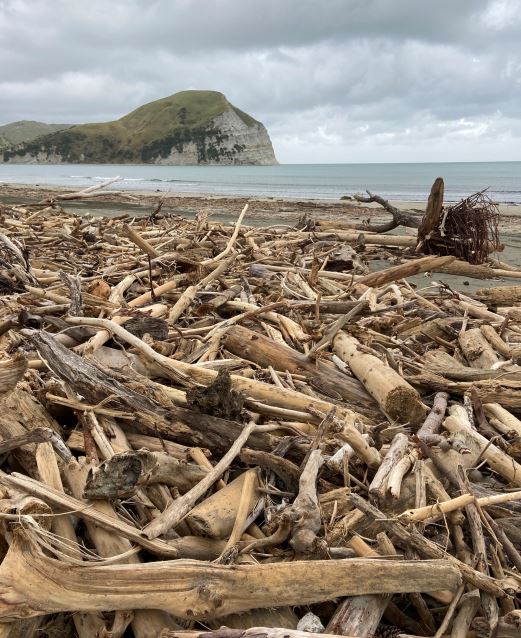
(227, 431)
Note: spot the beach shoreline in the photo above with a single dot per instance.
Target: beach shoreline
(27, 193)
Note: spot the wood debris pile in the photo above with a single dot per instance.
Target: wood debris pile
(228, 431)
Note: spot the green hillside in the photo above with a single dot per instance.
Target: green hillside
(26, 131)
(142, 135)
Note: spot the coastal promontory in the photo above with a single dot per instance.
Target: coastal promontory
(190, 127)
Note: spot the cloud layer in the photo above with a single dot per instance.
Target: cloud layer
(333, 80)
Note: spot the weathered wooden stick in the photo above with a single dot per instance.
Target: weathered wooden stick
(398, 472)
(429, 431)
(256, 389)
(407, 269)
(33, 584)
(500, 462)
(437, 510)
(65, 502)
(427, 548)
(469, 605)
(394, 395)
(511, 422)
(50, 474)
(140, 242)
(144, 621)
(359, 615)
(432, 218)
(11, 371)
(180, 507)
(231, 241)
(189, 294)
(38, 435)
(396, 452)
(477, 350)
(91, 191)
(248, 493)
(264, 351)
(304, 512)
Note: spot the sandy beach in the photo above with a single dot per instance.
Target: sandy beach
(262, 210)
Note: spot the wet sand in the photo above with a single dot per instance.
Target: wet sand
(262, 209)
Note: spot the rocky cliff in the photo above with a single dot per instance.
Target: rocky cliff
(191, 127)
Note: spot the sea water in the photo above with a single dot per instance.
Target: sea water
(407, 182)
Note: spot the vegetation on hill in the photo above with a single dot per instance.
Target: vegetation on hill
(26, 131)
(149, 132)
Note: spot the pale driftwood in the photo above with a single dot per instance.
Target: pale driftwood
(398, 472)
(255, 389)
(400, 217)
(190, 293)
(244, 507)
(137, 441)
(414, 540)
(396, 452)
(11, 371)
(140, 242)
(433, 213)
(433, 512)
(231, 242)
(50, 474)
(511, 422)
(429, 431)
(470, 603)
(496, 458)
(107, 543)
(305, 511)
(497, 342)
(339, 325)
(38, 435)
(86, 624)
(499, 295)
(91, 191)
(395, 396)
(264, 351)
(477, 350)
(36, 584)
(64, 502)
(123, 474)
(180, 508)
(407, 269)
(449, 614)
(506, 628)
(359, 615)
(216, 515)
(287, 288)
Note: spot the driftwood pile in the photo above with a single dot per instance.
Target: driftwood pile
(227, 431)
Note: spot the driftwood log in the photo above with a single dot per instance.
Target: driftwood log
(33, 584)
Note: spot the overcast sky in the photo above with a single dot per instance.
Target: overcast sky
(333, 80)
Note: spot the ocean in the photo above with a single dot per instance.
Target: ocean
(403, 182)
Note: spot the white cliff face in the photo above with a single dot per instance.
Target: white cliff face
(235, 143)
(39, 158)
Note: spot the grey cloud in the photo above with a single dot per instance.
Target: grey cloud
(329, 78)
